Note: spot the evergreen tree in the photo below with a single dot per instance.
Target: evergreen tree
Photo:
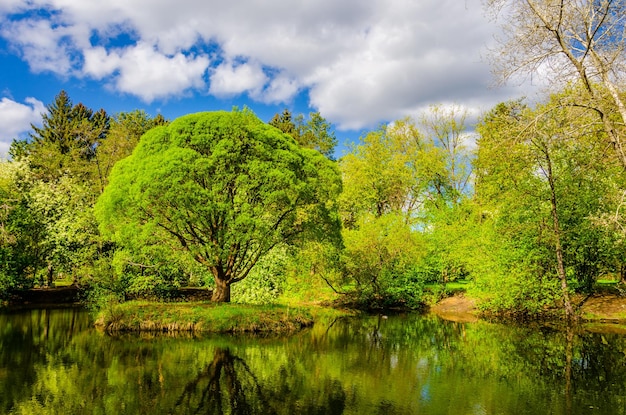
(315, 133)
(67, 140)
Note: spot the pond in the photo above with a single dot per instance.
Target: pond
(54, 362)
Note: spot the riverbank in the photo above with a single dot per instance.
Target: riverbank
(604, 307)
(191, 310)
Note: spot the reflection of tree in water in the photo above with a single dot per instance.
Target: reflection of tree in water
(225, 386)
(228, 386)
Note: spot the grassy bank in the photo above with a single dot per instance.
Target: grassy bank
(206, 317)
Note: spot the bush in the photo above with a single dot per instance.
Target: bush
(266, 281)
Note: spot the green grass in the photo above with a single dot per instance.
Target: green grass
(63, 282)
(452, 287)
(206, 317)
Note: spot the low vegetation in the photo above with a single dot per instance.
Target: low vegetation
(211, 317)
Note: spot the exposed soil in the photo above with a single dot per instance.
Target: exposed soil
(457, 308)
(604, 307)
(598, 307)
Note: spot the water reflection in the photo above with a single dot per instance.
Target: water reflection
(52, 362)
(226, 385)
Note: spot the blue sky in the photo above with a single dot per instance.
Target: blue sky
(360, 63)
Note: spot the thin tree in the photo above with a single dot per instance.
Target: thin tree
(569, 40)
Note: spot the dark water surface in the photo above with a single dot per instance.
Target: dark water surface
(54, 362)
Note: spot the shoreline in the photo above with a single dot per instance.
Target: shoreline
(596, 308)
(193, 312)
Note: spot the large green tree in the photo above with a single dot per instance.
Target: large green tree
(223, 187)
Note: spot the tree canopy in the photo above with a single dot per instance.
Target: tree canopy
(223, 187)
(315, 133)
(569, 40)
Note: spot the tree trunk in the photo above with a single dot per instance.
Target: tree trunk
(221, 292)
(567, 304)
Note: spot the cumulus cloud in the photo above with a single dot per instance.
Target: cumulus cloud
(45, 47)
(233, 79)
(16, 119)
(143, 71)
(280, 89)
(361, 62)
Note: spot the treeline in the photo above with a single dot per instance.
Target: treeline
(526, 207)
(49, 187)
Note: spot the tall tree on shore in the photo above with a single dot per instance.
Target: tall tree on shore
(224, 188)
(540, 176)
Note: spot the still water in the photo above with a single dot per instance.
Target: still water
(54, 362)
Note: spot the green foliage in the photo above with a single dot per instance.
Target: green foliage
(71, 235)
(315, 133)
(539, 197)
(222, 187)
(380, 257)
(21, 229)
(391, 170)
(401, 208)
(506, 274)
(266, 282)
(123, 135)
(445, 128)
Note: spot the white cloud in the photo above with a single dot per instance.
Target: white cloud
(362, 62)
(281, 89)
(233, 79)
(143, 71)
(12, 6)
(42, 45)
(99, 63)
(16, 119)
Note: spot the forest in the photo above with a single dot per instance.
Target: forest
(125, 206)
(525, 207)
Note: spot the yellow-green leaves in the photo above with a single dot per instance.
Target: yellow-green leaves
(224, 187)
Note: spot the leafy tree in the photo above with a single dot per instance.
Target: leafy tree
(64, 211)
(391, 170)
(122, 137)
(445, 128)
(448, 214)
(419, 172)
(388, 188)
(543, 190)
(21, 232)
(573, 39)
(381, 257)
(223, 187)
(315, 133)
